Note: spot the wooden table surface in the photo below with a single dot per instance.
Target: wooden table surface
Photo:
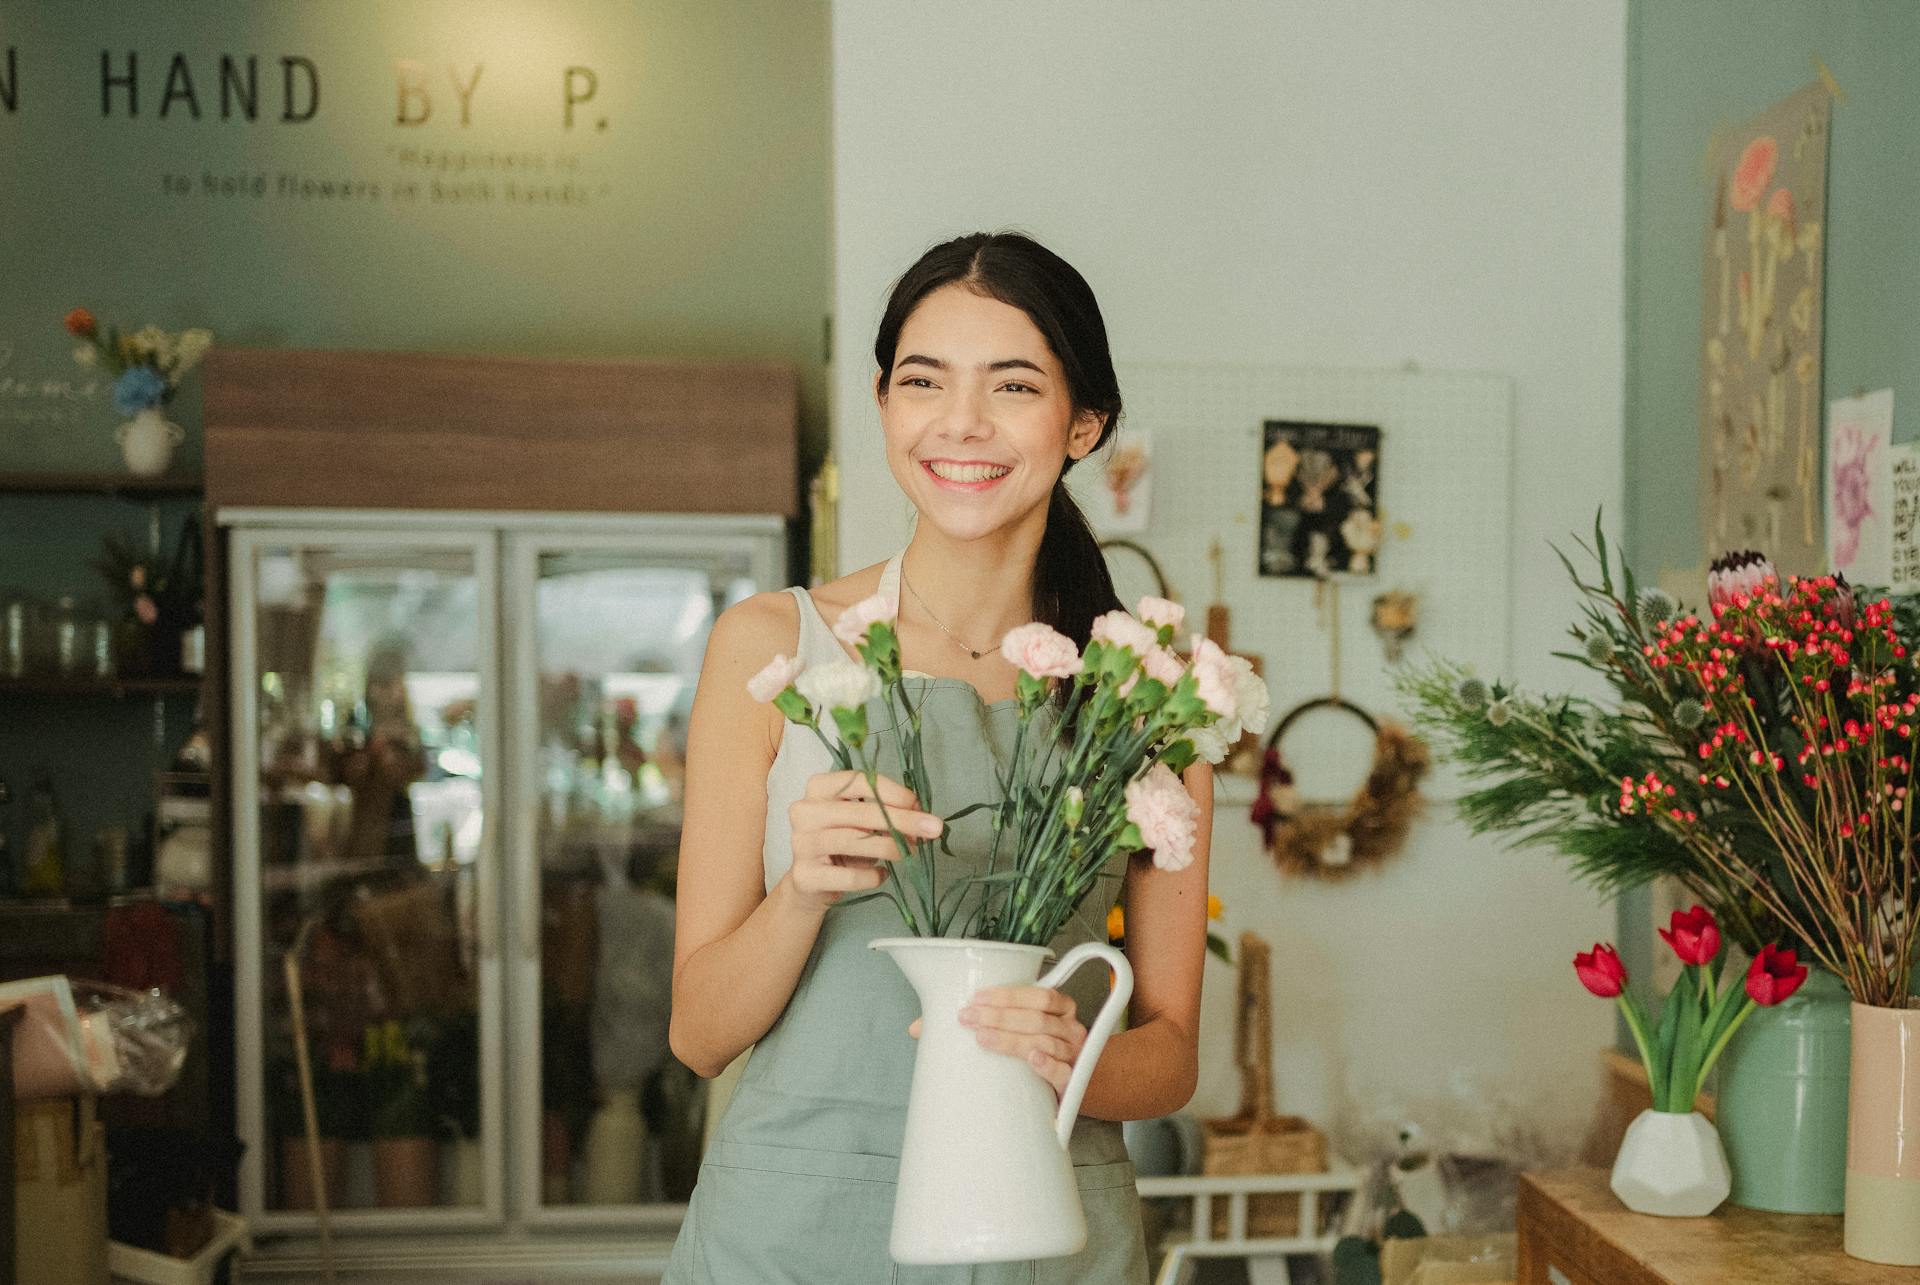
(1570, 1220)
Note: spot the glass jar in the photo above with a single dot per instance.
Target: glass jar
(71, 644)
(19, 623)
(100, 648)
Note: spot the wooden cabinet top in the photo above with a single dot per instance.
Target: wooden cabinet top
(376, 430)
(1571, 1220)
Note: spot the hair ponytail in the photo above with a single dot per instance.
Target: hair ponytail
(1071, 583)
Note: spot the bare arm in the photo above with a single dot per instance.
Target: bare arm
(738, 949)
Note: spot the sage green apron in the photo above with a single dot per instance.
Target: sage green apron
(797, 1184)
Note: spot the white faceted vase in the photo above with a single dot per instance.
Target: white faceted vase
(1672, 1165)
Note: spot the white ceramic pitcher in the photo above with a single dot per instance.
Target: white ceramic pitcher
(984, 1172)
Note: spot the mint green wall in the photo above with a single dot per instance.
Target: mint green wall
(695, 224)
(698, 228)
(1702, 63)
(1692, 66)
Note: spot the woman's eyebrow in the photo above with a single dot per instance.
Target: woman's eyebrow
(1005, 363)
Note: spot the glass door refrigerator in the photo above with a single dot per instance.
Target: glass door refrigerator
(458, 744)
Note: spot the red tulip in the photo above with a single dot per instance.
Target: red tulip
(1694, 936)
(80, 324)
(1601, 971)
(1774, 975)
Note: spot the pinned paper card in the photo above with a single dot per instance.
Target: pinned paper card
(1859, 487)
(1114, 488)
(1905, 471)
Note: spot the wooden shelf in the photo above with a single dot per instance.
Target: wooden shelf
(111, 687)
(119, 484)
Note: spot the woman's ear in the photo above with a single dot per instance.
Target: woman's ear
(1084, 435)
(880, 389)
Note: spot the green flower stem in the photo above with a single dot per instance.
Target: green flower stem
(901, 845)
(1686, 1041)
(1719, 1045)
(1637, 1023)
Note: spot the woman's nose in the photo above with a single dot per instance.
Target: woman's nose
(966, 418)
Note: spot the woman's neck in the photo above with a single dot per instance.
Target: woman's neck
(977, 589)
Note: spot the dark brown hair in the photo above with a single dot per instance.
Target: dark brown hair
(1071, 584)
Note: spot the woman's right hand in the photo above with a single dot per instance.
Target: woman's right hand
(840, 839)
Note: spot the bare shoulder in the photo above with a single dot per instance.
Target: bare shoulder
(756, 629)
(835, 596)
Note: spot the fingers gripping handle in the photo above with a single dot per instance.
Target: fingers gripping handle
(1097, 1034)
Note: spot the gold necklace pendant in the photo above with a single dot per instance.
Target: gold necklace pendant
(976, 655)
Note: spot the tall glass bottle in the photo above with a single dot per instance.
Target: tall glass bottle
(8, 875)
(45, 856)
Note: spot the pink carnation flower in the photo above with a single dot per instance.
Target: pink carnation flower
(1163, 664)
(1213, 670)
(775, 678)
(1041, 650)
(1160, 611)
(1166, 814)
(1122, 630)
(851, 628)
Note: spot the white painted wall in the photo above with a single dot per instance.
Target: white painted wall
(1300, 183)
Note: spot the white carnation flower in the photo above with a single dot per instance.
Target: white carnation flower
(838, 684)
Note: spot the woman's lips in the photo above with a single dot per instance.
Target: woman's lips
(952, 485)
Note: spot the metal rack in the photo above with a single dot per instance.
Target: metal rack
(9, 1249)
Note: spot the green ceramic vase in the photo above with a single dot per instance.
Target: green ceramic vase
(1782, 1102)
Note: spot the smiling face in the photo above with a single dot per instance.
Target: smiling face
(977, 414)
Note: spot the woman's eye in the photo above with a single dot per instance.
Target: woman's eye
(915, 380)
(1025, 388)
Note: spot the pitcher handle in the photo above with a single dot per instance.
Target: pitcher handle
(1103, 1024)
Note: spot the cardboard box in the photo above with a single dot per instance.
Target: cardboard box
(60, 1202)
(1449, 1260)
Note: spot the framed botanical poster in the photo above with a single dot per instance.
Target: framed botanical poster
(1760, 336)
(1319, 499)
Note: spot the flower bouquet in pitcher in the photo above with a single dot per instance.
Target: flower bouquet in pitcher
(1103, 735)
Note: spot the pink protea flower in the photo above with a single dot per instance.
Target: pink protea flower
(1041, 650)
(851, 628)
(1737, 575)
(1753, 172)
(1166, 814)
(776, 677)
(1160, 611)
(1122, 630)
(1213, 671)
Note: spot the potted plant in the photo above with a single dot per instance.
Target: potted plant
(148, 366)
(1096, 773)
(405, 1160)
(1671, 1161)
(1759, 752)
(339, 1087)
(159, 597)
(453, 1091)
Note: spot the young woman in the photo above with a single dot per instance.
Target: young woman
(993, 378)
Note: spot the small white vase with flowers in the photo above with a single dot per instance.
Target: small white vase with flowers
(147, 366)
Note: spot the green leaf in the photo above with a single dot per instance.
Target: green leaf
(1356, 1262)
(1403, 1225)
(1686, 1042)
(1662, 1070)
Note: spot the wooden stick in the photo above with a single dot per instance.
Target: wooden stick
(290, 965)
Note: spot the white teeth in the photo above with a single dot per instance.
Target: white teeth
(968, 472)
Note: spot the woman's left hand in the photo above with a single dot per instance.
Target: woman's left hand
(1036, 1023)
